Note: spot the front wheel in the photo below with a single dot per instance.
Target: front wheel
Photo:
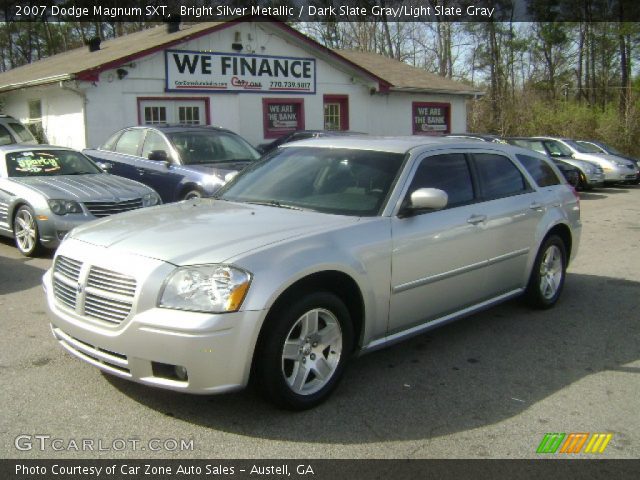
(191, 194)
(548, 274)
(303, 351)
(25, 231)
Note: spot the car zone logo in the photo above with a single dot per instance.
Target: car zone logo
(573, 443)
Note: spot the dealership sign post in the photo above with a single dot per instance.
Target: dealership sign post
(190, 71)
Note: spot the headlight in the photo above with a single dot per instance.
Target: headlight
(150, 199)
(206, 288)
(62, 207)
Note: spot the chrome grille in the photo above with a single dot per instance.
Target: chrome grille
(64, 293)
(110, 281)
(98, 293)
(104, 209)
(68, 267)
(106, 309)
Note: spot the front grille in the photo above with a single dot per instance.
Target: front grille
(68, 267)
(104, 209)
(92, 291)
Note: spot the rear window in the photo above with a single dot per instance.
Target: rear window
(540, 170)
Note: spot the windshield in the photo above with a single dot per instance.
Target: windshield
(557, 149)
(535, 145)
(584, 147)
(37, 163)
(198, 147)
(22, 132)
(331, 180)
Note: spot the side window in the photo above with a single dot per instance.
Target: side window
(498, 176)
(5, 136)
(540, 170)
(129, 142)
(154, 141)
(446, 172)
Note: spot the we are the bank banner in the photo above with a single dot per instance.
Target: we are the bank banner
(191, 71)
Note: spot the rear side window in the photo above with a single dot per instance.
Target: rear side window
(540, 170)
(111, 143)
(446, 172)
(130, 141)
(498, 176)
(5, 136)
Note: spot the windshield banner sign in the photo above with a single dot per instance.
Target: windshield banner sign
(189, 71)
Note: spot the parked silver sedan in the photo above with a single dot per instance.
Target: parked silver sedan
(320, 250)
(45, 191)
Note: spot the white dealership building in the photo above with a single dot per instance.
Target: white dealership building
(259, 79)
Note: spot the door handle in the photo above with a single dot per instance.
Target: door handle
(536, 206)
(140, 171)
(476, 219)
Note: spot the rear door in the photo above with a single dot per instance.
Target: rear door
(125, 153)
(513, 209)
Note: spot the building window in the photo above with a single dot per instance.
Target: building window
(431, 118)
(332, 116)
(189, 115)
(336, 112)
(173, 110)
(35, 110)
(282, 115)
(155, 115)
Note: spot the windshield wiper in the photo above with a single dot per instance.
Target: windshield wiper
(274, 203)
(80, 173)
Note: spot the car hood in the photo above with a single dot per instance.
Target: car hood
(100, 186)
(602, 158)
(203, 230)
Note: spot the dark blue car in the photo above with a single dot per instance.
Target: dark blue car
(178, 162)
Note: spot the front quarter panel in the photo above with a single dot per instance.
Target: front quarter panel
(361, 251)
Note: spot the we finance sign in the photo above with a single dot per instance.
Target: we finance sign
(189, 71)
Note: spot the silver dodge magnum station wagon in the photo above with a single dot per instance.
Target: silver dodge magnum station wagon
(320, 250)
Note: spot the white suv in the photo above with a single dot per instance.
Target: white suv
(12, 131)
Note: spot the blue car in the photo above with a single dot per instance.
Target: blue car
(178, 162)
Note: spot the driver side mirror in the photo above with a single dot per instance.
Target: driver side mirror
(425, 199)
(158, 155)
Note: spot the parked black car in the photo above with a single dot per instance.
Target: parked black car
(265, 148)
(179, 161)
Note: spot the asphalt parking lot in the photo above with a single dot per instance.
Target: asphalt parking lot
(489, 386)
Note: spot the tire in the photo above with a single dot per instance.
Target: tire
(25, 232)
(548, 274)
(303, 351)
(191, 194)
(583, 184)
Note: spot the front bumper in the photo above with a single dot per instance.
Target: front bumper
(594, 179)
(620, 174)
(215, 349)
(53, 230)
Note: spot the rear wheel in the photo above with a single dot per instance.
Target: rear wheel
(303, 351)
(25, 231)
(548, 274)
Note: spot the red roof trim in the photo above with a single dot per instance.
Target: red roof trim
(92, 73)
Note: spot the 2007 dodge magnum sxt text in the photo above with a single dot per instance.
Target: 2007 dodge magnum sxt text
(324, 248)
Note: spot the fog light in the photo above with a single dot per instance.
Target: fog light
(181, 372)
